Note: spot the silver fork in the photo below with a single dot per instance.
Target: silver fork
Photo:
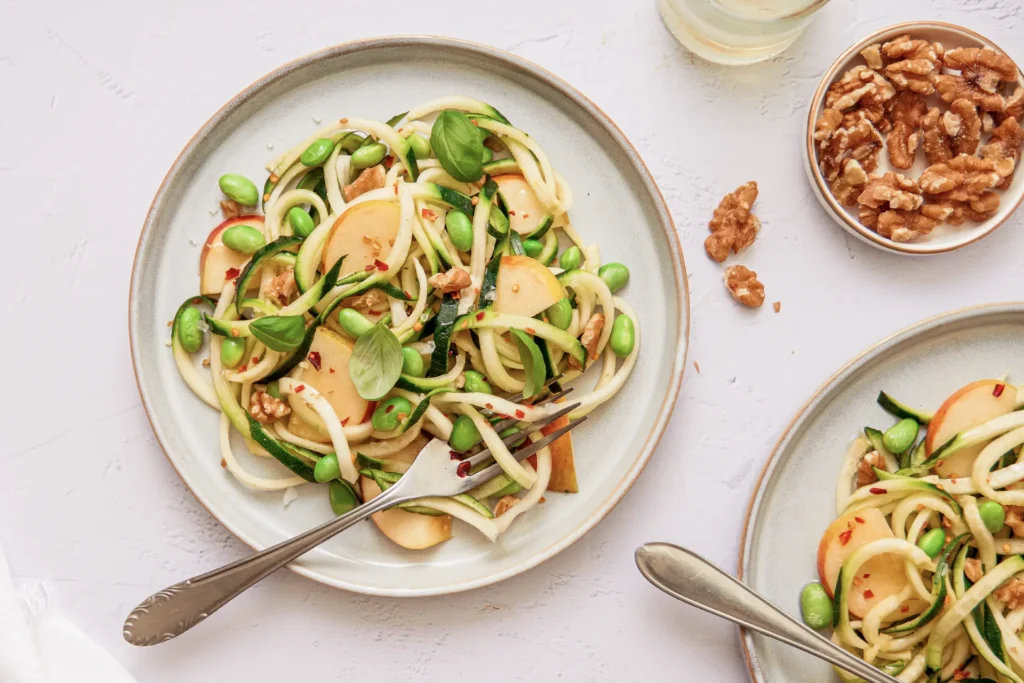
(434, 472)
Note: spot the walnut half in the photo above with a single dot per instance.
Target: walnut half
(452, 280)
(744, 286)
(733, 226)
(265, 409)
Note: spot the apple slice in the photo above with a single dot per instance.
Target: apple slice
(879, 577)
(407, 529)
(525, 211)
(217, 263)
(331, 352)
(969, 406)
(525, 287)
(563, 464)
(363, 234)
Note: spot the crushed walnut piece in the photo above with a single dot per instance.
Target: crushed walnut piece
(827, 123)
(265, 409)
(1015, 519)
(916, 64)
(907, 111)
(733, 227)
(504, 504)
(282, 287)
(892, 190)
(373, 300)
(1011, 593)
(972, 568)
(900, 225)
(1003, 149)
(982, 73)
(452, 280)
(865, 474)
(744, 286)
(592, 335)
(1013, 107)
(229, 208)
(850, 183)
(861, 142)
(872, 54)
(862, 92)
(370, 179)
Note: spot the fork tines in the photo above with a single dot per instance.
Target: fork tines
(519, 397)
(523, 453)
(512, 421)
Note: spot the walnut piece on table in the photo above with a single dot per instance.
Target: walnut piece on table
(265, 409)
(452, 280)
(371, 178)
(744, 286)
(865, 474)
(907, 111)
(916, 66)
(982, 73)
(949, 134)
(733, 227)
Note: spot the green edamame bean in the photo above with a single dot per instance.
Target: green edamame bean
(615, 275)
(327, 468)
(488, 154)
(189, 334)
(239, 188)
(420, 146)
(533, 248)
(391, 413)
(464, 434)
(231, 351)
(623, 336)
(368, 156)
(571, 258)
(412, 362)
(274, 389)
(475, 383)
(900, 436)
(816, 606)
(244, 239)
(301, 221)
(353, 322)
(932, 542)
(460, 229)
(560, 314)
(317, 152)
(343, 498)
(993, 515)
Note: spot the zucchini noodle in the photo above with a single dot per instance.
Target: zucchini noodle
(924, 561)
(390, 231)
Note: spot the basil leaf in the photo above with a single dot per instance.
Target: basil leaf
(376, 362)
(279, 332)
(457, 145)
(533, 363)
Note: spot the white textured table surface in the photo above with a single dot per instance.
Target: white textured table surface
(99, 97)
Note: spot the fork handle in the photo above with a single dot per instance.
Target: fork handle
(174, 610)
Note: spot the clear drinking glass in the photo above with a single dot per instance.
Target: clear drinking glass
(737, 31)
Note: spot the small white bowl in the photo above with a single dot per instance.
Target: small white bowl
(945, 237)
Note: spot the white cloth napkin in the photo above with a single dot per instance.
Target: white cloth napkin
(38, 645)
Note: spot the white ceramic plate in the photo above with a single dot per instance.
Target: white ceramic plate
(617, 206)
(794, 500)
(945, 237)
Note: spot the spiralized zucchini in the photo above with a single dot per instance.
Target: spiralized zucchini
(286, 402)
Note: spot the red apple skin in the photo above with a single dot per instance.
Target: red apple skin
(967, 407)
(213, 241)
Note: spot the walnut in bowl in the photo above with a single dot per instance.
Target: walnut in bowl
(914, 136)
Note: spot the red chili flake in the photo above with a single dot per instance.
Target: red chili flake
(867, 576)
(370, 407)
(877, 491)
(520, 414)
(480, 315)
(224, 463)
(844, 537)
(231, 273)
(489, 406)
(406, 292)
(455, 455)
(463, 468)
(389, 161)
(859, 520)
(998, 391)
(396, 189)
(530, 330)
(380, 265)
(314, 359)
(428, 214)
(197, 300)
(905, 609)
(331, 370)
(526, 215)
(511, 213)
(299, 389)
(389, 408)
(868, 594)
(369, 268)
(243, 368)
(255, 359)
(345, 421)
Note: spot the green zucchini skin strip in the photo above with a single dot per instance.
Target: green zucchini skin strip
(421, 408)
(443, 329)
(276, 449)
(502, 167)
(266, 251)
(489, 286)
(938, 589)
(387, 479)
(547, 331)
(901, 410)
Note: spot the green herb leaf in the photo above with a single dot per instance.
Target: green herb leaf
(279, 332)
(533, 362)
(376, 362)
(457, 145)
(393, 121)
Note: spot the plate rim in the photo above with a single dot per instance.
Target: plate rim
(820, 187)
(598, 116)
(810, 407)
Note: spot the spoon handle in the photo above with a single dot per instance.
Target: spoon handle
(689, 577)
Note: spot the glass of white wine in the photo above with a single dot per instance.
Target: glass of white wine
(738, 31)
